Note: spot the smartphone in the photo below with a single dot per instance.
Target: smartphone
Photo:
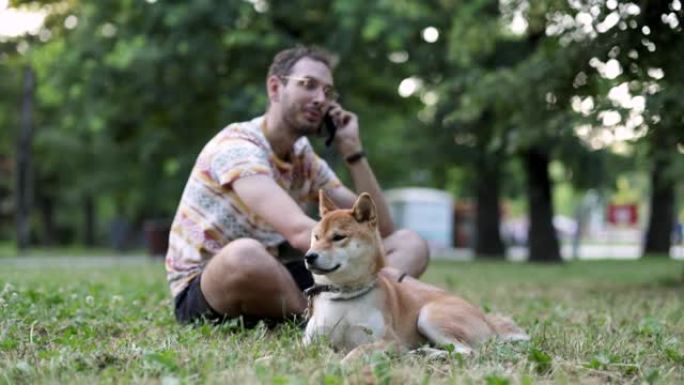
(329, 128)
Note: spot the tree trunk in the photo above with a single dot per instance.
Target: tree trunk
(488, 237)
(659, 232)
(47, 211)
(89, 223)
(24, 188)
(541, 239)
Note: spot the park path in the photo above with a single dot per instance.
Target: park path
(586, 252)
(78, 262)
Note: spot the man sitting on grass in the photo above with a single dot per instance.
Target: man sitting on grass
(239, 235)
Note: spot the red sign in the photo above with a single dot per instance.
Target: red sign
(622, 215)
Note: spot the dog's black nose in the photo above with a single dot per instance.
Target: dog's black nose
(310, 257)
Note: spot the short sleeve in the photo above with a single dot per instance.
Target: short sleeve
(237, 159)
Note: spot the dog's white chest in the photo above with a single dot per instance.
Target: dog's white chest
(346, 323)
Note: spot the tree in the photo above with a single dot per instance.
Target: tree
(646, 43)
(132, 90)
(10, 103)
(513, 101)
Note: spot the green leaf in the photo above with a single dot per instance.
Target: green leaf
(541, 359)
(649, 326)
(652, 376)
(376, 25)
(332, 379)
(674, 355)
(166, 359)
(496, 380)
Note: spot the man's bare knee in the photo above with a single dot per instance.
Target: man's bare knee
(417, 244)
(242, 248)
(408, 241)
(407, 251)
(231, 272)
(244, 277)
(239, 262)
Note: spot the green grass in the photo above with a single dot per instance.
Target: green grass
(591, 322)
(8, 249)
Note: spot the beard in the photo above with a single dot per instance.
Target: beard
(294, 116)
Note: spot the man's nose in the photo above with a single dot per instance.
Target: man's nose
(319, 96)
(310, 257)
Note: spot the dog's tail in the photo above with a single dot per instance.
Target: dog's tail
(506, 328)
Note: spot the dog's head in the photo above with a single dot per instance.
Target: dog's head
(346, 248)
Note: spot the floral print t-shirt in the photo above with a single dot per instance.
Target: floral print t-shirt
(210, 215)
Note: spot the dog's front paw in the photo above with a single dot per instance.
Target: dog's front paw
(431, 353)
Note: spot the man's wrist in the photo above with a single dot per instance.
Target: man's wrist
(355, 156)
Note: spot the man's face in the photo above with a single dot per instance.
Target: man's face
(302, 95)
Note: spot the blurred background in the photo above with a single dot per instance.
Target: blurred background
(542, 130)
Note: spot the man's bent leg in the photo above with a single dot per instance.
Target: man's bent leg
(407, 252)
(244, 279)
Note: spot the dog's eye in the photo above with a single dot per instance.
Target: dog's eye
(338, 237)
(315, 237)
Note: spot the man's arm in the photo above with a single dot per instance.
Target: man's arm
(364, 181)
(265, 198)
(348, 143)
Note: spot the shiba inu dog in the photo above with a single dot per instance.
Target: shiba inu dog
(361, 305)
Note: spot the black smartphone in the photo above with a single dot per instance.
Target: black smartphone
(329, 128)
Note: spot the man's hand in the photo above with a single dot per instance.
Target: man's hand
(347, 139)
(348, 143)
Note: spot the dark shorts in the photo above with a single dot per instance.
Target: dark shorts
(191, 306)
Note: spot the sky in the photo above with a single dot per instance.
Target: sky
(15, 22)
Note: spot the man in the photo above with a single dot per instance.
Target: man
(239, 234)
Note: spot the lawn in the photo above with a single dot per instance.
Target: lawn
(89, 320)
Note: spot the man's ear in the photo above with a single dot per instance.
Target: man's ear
(325, 205)
(273, 87)
(364, 209)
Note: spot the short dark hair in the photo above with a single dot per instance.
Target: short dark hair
(284, 60)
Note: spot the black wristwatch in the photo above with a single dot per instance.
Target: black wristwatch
(355, 157)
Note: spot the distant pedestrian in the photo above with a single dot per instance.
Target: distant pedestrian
(581, 219)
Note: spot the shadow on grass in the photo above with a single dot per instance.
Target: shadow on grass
(667, 282)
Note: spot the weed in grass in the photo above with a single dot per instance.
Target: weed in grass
(541, 360)
(496, 380)
(674, 355)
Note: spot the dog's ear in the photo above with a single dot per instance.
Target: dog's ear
(325, 205)
(364, 209)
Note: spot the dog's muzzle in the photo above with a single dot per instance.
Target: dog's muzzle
(311, 258)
